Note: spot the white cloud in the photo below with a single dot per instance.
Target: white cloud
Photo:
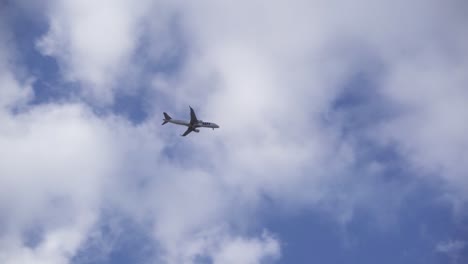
(94, 42)
(278, 68)
(251, 251)
(58, 245)
(248, 250)
(13, 93)
(452, 248)
(222, 246)
(432, 127)
(268, 73)
(55, 160)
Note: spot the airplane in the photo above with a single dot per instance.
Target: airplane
(193, 125)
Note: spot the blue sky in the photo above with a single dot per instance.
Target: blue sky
(342, 139)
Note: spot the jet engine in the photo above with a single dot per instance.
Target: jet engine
(196, 130)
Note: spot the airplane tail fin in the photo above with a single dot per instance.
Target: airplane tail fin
(166, 118)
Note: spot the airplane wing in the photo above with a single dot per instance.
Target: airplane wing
(187, 131)
(193, 117)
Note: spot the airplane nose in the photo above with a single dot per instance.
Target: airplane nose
(216, 126)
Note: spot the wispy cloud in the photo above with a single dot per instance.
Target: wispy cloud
(452, 248)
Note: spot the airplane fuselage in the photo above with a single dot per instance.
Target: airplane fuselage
(200, 123)
(178, 122)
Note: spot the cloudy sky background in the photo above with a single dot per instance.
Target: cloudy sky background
(343, 131)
